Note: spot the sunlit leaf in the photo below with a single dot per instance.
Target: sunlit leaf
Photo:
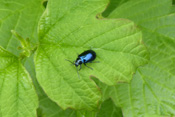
(17, 93)
(66, 31)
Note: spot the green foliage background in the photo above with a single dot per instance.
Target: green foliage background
(134, 41)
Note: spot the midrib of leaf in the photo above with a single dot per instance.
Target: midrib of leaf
(17, 90)
(1, 88)
(13, 2)
(85, 48)
(58, 72)
(4, 78)
(5, 10)
(13, 12)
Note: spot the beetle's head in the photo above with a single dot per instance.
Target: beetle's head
(78, 62)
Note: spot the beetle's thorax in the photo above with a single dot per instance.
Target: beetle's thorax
(78, 62)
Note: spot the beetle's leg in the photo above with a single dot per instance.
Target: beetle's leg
(95, 62)
(78, 73)
(88, 66)
(70, 61)
(80, 67)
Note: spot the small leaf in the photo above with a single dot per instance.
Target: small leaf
(66, 31)
(17, 93)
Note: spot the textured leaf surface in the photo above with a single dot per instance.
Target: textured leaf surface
(151, 92)
(21, 16)
(17, 94)
(66, 31)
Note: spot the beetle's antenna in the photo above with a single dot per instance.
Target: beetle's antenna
(78, 73)
(70, 61)
(88, 66)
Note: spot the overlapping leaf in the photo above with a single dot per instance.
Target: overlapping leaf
(66, 31)
(21, 16)
(151, 92)
(17, 94)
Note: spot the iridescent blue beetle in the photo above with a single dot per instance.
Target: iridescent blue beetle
(86, 57)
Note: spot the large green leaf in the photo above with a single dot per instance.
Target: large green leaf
(66, 31)
(151, 92)
(21, 16)
(17, 93)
